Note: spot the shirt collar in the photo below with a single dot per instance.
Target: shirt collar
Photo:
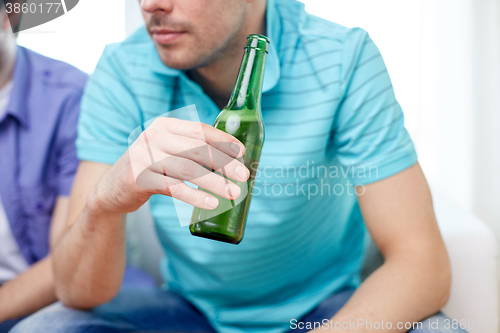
(272, 72)
(18, 106)
(5, 97)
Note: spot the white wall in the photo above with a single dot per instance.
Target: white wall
(79, 36)
(445, 135)
(133, 17)
(486, 189)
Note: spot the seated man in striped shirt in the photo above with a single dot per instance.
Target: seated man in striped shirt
(327, 104)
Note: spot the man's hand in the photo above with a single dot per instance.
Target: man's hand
(90, 260)
(169, 152)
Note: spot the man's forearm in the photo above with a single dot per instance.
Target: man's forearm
(28, 292)
(89, 262)
(400, 291)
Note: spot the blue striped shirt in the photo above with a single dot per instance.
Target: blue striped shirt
(331, 120)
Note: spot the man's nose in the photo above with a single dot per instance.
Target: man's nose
(155, 6)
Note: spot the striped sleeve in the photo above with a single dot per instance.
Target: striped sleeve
(369, 134)
(109, 112)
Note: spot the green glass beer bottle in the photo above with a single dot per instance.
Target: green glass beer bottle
(242, 118)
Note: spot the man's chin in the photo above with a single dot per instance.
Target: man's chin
(179, 62)
(183, 57)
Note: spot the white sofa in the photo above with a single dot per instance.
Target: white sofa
(470, 242)
(473, 255)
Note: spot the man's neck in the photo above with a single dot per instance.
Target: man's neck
(7, 63)
(218, 78)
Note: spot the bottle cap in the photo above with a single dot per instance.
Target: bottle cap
(258, 42)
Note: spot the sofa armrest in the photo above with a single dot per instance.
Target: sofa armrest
(472, 250)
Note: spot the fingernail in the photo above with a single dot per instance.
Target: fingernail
(235, 148)
(232, 190)
(242, 172)
(211, 202)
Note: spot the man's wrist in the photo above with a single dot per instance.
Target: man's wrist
(97, 207)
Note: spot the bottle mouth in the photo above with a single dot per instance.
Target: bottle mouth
(258, 42)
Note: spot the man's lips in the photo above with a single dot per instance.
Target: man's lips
(165, 37)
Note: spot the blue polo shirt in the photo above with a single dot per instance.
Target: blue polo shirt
(331, 121)
(37, 146)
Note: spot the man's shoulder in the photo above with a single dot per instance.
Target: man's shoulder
(310, 31)
(131, 52)
(55, 73)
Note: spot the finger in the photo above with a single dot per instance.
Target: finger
(185, 169)
(175, 188)
(209, 134)
(204, 154)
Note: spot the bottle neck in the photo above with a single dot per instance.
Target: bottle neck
(247, 91)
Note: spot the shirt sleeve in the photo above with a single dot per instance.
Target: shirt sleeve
(369, 135)
(67, 162)
(109, 112)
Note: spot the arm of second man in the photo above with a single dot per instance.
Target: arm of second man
(34, 289)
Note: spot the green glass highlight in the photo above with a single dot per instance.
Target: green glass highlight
(242, 118)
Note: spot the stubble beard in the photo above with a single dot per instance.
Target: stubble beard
(206, 55)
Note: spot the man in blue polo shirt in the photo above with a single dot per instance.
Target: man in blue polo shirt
(39, 106)
(337, 158)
